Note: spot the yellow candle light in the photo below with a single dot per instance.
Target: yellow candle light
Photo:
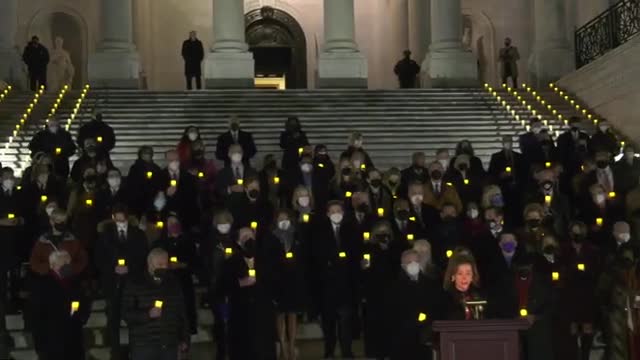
(43, 198)
(58, 151)
(173, 182)
(366, 236)
(524, 312)
(508, 169)
(158, 304)
(252, 272)
(380, 212)
(99, 139)
(254, 225)
(342, 254)
(555, 276)
(612, 194)
(276, 180)
(547, 199)
(75, 305)
(422, 317)
(599, 221)
(173, 259)
(228, 251)
(240, 181)
(581, 267)
(289, 255)
(305, 218)
(122, 262)
(449, 253)
(11, 216)
(300, 150)
(89, 202)
(466, 181)
(200, 174)
(149, 174)
(367, 257)
(547, 164)
(348, 194)
(159, 224)
(410, 237)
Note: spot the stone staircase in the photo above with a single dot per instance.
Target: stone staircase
(394, 123)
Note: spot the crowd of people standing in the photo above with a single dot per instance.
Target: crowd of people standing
(549, 234)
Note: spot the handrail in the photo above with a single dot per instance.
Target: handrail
(612, 28)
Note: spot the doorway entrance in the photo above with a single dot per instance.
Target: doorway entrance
(279, 49)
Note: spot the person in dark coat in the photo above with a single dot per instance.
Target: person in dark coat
(414, 302)
(57, 143)
(115, 192)
(475, 167)
(12, 221)
(292, 140)
(231, 178)
(120, 253)
(248, 206)
(414, 173)
(182, 191)
(190, 135)
(144, 177)
(235, 136)
(61, 310)
(379, 195)
(378, 266)
(193, 54)
(461, 284)
(184, 263)
(324, 170)
(101, 132)
(153, 308)
(447, 235)
(36, 56)
(218, 248)
(604, 140)
(530, 146)
(90, 158)
(335, 266)
(407, 71)
(626, 172)
(248, 279)
(286, 253)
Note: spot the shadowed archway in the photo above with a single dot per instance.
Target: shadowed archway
(278, 45)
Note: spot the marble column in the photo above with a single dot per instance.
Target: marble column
(116, 63)
(10, 59)
(420, 32)
(229, 64)
(448, 64)
(552, 56)
(341, 64)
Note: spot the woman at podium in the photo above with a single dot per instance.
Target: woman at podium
(462, 289)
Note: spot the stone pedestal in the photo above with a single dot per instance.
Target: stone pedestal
(447, 63)
(229, 64)
(552, 56)
(116, 63)
(341, 64)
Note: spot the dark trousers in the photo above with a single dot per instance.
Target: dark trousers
(336, 324)
(376, 330)
(4, 346)
(220, 316)
(37, 78)
(113, 323)
(198, 81)
(513, 78)
(164, 352)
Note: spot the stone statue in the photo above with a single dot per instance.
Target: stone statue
(467, 36)
(61, 70)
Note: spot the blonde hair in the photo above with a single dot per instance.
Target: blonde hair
(533, 207)
(223, 217)
(298, 192)
(488, 192)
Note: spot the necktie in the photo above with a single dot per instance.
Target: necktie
(437, 186)
(238, 175)
(336, 233)
(122, 236)
(606, 182)
(235, 137)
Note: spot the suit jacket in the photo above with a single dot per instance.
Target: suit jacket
(109, 249)
(245, 139)
(227, 178)
(184, 201)
(448, 194)
(334, 274)
(568, 149)
(410, 175)
(145, 188)
(499, 164)
(290, 145)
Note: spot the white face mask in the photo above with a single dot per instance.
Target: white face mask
(8, 184)
(236, 158)
(357, 164)
(507, 146)
(174, 165)
(42, 178)
(284, 225)
(600, 198)
(223, 228)
(417, 199)
(336, 218)
(306, 168)
(114, 182)
(604, 128)
(412, 269)
(536, 129)
(304, 201)
(473, 213)
(444, 163)
(624, 238)
(122, 226)
(53, 128)
(159, 202)
(193, 136)
(49, 210)
(357, 143)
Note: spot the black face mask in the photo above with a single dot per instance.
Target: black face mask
(383, 239)
(463, 167)
(249, 248)
(393, 183)
(574, 129)
(271, 165)
(363, 208)
(66, 271)
(90, 179)
(235, 127)
(602, 164)
(436, 175)
(160, 273)
(524, 273)
(254, 193)
(626, 263)
(403, 215)
(346, 172)
(577, 238)
(534, 223)
(60, 227)
(549, 250)
(376, 183)
(448, 219)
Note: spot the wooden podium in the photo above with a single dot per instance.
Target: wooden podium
(480, 339)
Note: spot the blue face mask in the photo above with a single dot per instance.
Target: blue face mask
(508, 247)
(497, 200)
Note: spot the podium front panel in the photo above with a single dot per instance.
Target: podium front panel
(479, 346)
